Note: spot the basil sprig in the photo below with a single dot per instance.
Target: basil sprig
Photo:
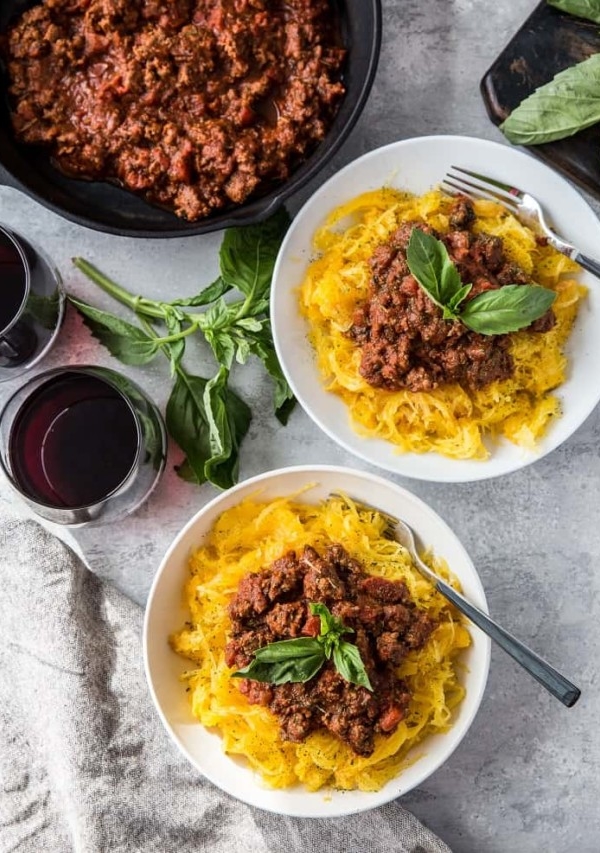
(300, 659)
(206, 418)
(494, 312)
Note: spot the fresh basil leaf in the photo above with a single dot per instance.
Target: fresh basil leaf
(349, 664)
(429, 262)
(589, 9)
(215, 290)
(325, 615)
(248, 254)
(330, 624)
(507, 309)
(459, 297)
(242, 350)
(283, 671)
(186, 472)
(228, 419)
(43, 309)
(222, 345)
(568, 103)
(188, 426)
(218, 316)
(250, 324)
(176, 348)
(126, 342)
(283, 396)
(300, 647)
(257, 307)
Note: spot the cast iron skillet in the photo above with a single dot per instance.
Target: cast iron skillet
(104, 207)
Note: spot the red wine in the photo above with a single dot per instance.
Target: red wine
(13, 281)
(73, 441)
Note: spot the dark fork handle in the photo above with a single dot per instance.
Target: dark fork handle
(588, 264)
(548, 677)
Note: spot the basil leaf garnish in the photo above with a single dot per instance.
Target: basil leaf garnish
(459, 296)
(330, 624)
(508, 309)
(284, 671)
(300, 659)
(348, 662)
(568, 103)
(430, 264)
(495, 312)
(302, 647)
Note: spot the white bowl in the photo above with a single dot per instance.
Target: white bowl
(418, 165)
(165, 613)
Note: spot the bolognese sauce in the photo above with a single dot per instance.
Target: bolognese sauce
(273, 605)
(406, 342)
(195, 104)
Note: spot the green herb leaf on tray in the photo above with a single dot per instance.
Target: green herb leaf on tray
(508, 309)
(568, 103)
(300, 659)
(495, 312)
(589, 9)
(205, 417)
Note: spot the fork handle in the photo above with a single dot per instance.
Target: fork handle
(536, 666)
(588, 264)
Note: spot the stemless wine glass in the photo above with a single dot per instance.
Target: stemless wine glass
(82, 445)
(32, 303)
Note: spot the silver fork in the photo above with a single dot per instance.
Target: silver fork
(549, 677)
(523, 205)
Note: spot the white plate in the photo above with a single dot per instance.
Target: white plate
(418, 165)
(165, 613)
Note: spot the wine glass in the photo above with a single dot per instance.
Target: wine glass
(32, 304)
(82, 445)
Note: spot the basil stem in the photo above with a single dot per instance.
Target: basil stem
(204, 416)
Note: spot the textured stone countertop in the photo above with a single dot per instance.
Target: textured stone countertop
(525, 779)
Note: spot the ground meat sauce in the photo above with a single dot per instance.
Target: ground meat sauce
(196, 104)
(274, 605)
(405, 341)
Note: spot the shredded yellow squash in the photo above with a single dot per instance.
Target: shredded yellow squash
(450, 420)
(248, 538)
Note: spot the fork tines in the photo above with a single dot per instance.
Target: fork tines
(480, 187)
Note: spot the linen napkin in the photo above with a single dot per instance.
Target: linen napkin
(84, 763)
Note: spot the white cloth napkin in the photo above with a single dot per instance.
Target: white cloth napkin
(84, 763)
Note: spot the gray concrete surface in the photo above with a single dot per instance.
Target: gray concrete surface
(525, 778)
